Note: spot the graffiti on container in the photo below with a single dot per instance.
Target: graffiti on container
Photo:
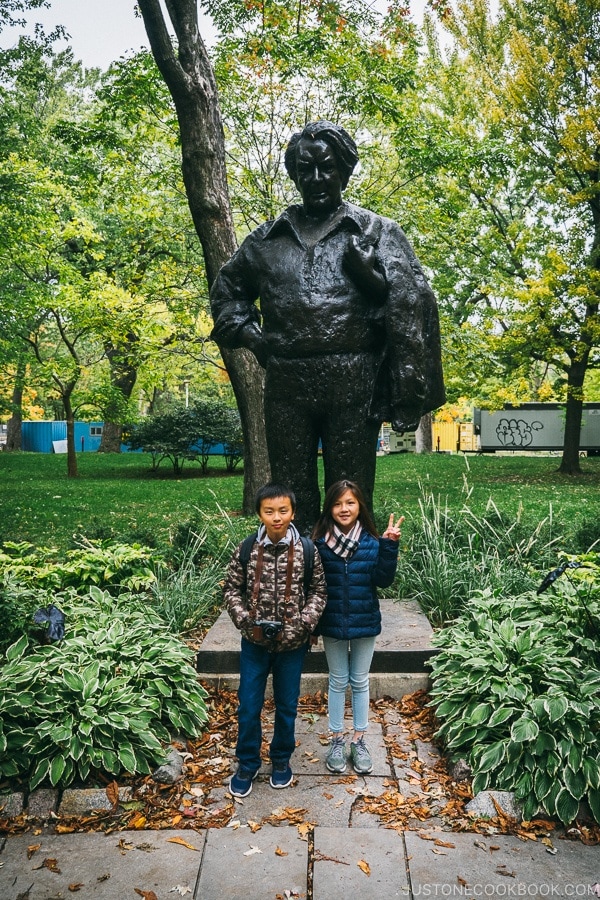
(516, 432)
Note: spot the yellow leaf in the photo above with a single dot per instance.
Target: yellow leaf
(364, 866)
(178, 840)
(280, 852)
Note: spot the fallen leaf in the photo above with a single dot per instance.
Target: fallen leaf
(502, 870)
(425, 837)
(364, 866)
(254, 826)
(178, 840)
(32, 849)
(124, 846)
(280, 852)
(76, 886)
(182, 889)
(50, 864)
(147, 895)
(328, 796)
(462, 881)
(440, 843)
(304, 830)
(112, 792)
(196, 792)
(481, 845)
(252, 851)
(438, 852)
(494, 847)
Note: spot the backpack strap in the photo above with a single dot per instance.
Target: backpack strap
(245, 551)
(308, 551)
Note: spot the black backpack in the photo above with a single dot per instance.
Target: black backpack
(308, 550)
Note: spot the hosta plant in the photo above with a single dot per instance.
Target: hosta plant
(108, 697)
(516, 688)
(108, 565)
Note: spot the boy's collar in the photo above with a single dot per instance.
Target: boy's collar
(292, 535)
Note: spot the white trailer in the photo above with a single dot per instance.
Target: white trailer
(534, 426)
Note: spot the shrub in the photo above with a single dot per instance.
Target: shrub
(189, 433)
(106, 698)
(516, 688)
(105, 564)
(189, 594)
(452, 555)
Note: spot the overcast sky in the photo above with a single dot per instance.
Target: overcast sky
(104, 31)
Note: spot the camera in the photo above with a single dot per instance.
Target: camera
(267, 630)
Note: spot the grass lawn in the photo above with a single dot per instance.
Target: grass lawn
(118, 496)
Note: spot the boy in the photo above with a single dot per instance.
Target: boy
(270, 602)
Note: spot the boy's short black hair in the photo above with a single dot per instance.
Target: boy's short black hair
(271, 491)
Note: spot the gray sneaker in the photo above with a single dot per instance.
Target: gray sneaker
(360, 756)
(336, 757)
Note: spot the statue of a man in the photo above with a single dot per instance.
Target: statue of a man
(347, 328)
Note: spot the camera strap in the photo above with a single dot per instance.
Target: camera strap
(289, 574)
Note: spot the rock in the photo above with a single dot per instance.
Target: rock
(482, 806)
(11, 805)
(83, 801)
(171, 770)
(42, 802)
(461, 770)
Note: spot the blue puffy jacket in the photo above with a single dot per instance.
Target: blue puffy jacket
(352, 609)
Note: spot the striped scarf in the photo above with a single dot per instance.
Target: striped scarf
(344, 544)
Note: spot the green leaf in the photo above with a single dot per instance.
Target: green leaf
(556, 707)
(480, 714)
(57, 768)
(593, 798)
(591, 770)
(74, 681)
(567, 806)
(524, 729)
(127, 759)
(17, 649)
(501, 715)
(491, 757)
(39, 773)
(575, 782)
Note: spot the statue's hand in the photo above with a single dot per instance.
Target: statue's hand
(254, 341)
(363, 266)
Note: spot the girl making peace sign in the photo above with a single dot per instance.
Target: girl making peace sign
(356, 562)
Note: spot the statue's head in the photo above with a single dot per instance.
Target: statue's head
(320, 160)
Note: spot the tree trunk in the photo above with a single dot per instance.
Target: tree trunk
(70, 418)
(574, 410)
(423, 435)
(190, 80)
(123, 376)
(14, 425)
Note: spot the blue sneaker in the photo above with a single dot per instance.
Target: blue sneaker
(240, 784)
(281, 776)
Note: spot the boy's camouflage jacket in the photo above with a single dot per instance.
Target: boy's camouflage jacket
(301, 615)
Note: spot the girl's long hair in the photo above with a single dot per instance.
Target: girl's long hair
(326, 521)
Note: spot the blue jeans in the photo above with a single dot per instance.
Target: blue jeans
(255, 664)
(349, 662)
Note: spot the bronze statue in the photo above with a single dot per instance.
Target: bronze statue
(347, 329)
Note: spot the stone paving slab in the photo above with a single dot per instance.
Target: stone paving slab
(108, 867)
(340, 853)
(328, 800)
(232, 868)
(515, 868)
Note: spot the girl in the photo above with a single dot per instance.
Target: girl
(356, 563)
